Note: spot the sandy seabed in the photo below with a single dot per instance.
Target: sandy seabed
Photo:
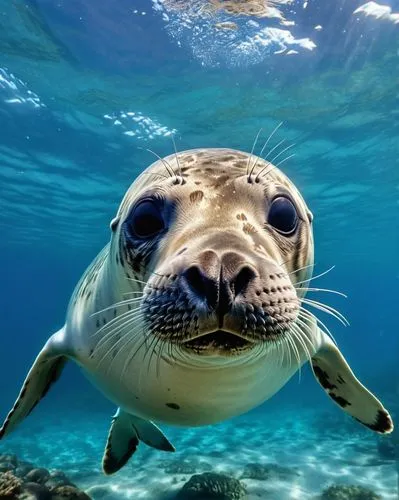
(293, 455)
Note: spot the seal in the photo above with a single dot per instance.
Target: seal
(195, 310)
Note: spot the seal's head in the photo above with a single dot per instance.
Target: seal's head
(220, 253)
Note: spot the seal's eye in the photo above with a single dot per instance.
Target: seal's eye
(146, 220)
(283, 215)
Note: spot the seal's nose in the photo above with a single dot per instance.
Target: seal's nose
(219, 281)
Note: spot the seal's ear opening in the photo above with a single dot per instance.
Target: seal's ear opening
(114, 224)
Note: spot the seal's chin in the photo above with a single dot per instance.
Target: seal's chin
(219, 341)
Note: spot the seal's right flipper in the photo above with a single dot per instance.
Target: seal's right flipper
(44, 372)
(335, 376)
(124, 436)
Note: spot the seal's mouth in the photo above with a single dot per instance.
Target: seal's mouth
(219, 340)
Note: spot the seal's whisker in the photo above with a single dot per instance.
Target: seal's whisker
(306, 330)
(127, 323)
(263, 148)
(295, 351)
(278, 155)
(159, 346)
(273, 149)
(126, 345)
(111, 323)
(117, 304)
(165, 163)
(131, 355)
(304, 341)
(268, 139)
(295, 270)
(274, 343)
(159, 357)
(281, 264)
(283, 161)
(327, 290)
(115, 320)
(313, 277)
(297, 355)
(177, 161)
(115, 326)
(252, 152)
(148, 285)
(288, 342)
(272, 160)
(127, 338)
(280, 355)
(151, 350)
(124, 340)
(304, 314)
(158, 274)
(135, 280)
(172, 350)
(327, 309)
(301, 337)
(286, 348)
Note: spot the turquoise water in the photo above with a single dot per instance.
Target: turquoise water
(84, 91)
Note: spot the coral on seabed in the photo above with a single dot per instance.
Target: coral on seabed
(20, 480)
(349, 492)
(210, 485)
(10, 485)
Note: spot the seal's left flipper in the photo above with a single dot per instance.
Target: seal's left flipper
(337, 379)
(44, 372)
(124, 436)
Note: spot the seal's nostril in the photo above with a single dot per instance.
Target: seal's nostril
(194, 279)
(243, 279)
(204, 287)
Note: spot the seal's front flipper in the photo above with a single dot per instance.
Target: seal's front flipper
(44, 372)
(337, 379)
(124, 436)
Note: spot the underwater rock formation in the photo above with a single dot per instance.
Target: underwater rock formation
(262, 472)
(349, 492)
(211, 485)
(20, 480)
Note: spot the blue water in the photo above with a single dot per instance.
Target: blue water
(86, 87)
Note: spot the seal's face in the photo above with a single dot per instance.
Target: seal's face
(221, 254)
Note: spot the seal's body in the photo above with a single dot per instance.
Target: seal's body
(193, 312)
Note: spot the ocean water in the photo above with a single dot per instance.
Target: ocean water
(85, 89)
